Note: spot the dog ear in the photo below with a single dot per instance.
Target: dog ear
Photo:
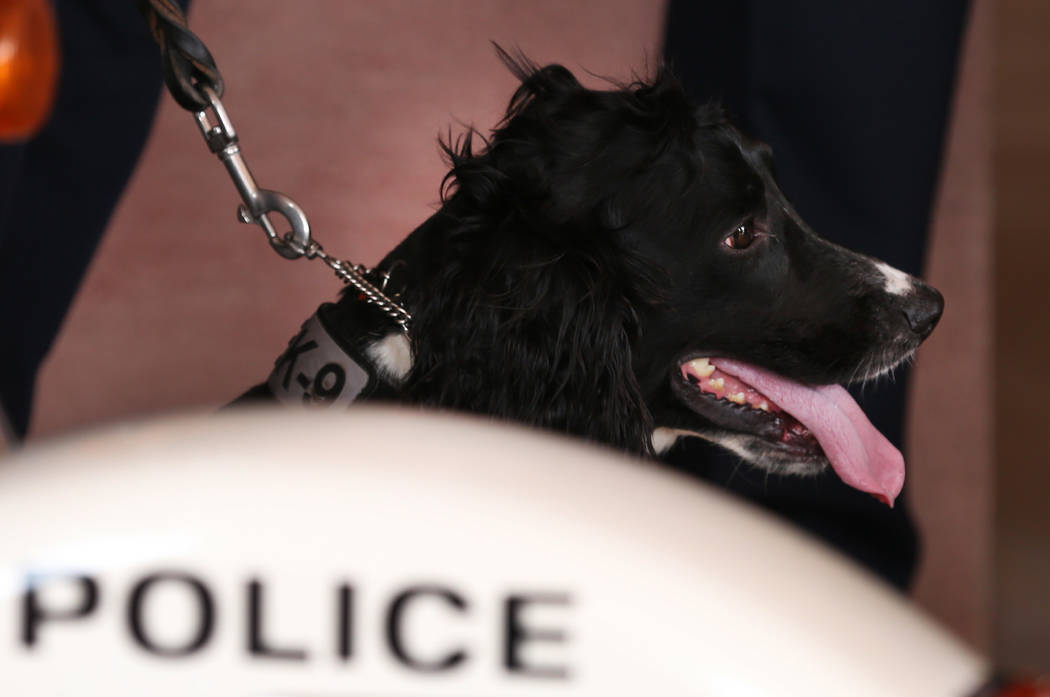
(532, 330)
(583, 302)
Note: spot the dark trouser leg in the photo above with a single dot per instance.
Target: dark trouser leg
(854, 98)
(58, 190)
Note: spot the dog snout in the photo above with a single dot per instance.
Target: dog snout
(923, 308)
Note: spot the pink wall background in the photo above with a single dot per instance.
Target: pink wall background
(339, 105)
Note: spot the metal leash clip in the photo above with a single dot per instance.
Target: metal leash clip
(257, 203)
(196, 84)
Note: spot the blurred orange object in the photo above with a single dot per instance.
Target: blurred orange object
(29, 58)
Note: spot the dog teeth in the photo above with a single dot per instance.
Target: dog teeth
(702, 367)
(699, 371)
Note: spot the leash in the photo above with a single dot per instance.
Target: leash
(194, 81)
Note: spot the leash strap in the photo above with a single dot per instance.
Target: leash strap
(188, 65)
(319, 370)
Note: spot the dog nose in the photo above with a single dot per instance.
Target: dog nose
(924, 309)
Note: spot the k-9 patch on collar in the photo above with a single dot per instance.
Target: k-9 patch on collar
(315, 370)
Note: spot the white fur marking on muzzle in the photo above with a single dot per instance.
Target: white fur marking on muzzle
(896, 281)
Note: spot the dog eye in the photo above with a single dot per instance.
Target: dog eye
(741, 238)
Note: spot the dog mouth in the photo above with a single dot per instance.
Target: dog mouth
(787, 421)
(732, 403)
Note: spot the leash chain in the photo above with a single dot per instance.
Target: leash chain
(196, 84)
(354, 275)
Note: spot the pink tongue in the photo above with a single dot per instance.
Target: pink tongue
(859, 454)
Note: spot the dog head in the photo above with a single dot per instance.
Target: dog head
(622, 265)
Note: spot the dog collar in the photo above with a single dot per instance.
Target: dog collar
(320, 370)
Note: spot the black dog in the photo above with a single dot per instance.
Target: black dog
(621, 265)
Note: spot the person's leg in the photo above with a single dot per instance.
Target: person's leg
(853, 97)
(58, 190)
